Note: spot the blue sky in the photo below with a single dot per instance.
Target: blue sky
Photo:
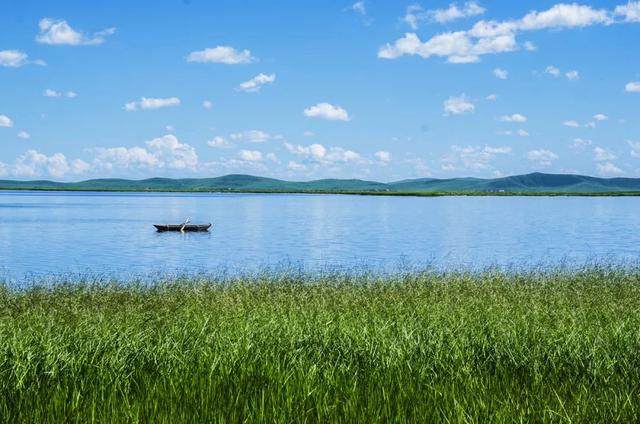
(370, 89)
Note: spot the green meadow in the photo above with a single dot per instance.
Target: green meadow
(543, 346)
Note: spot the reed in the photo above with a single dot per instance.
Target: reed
(543, 346)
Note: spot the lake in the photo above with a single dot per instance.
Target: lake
(111, 234)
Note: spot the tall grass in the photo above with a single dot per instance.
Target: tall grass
(421, 347)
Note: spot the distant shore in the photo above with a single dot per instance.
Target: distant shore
(535, 184)
(434, 347)
(341, 192)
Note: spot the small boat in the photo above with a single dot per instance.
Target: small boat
(184, 227)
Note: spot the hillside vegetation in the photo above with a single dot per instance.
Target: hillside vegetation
(530, 183)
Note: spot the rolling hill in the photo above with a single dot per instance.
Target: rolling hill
(529, 183)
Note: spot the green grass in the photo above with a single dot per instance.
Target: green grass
(422, 347)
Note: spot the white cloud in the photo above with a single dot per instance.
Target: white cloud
(308, 133)
(600, 154)
(165, 152)
(471, 157)
(571, 123)
(318, 153)
(590, 124)
(71, 94)
(221, 54)
(608, 169)
(327, 111)
(632, 87)
(635, 148)
(207, 104)
(458, 105)
(34, 164)
(542, 157)
(58, 32)
(415, 14)
(250, 155)
(146, 103)
(218, 142)
(600, 117)
(572, 75)
(522, 133)
(383, 156)
(16, 59)
(630, 11)
(552, 70)
(51, 93)
(457, 47)
(489, 37)
(5, 121)
(516, 117)
(254, 136)
(501, 73)
(492, 97)
(24, 135)
(529, 46)
(359, 7)
(255, 84)
(579, 143)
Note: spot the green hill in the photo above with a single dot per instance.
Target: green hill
(529, 183)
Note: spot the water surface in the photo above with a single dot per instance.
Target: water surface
(44, 233)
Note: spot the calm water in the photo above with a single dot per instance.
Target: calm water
(112, 234)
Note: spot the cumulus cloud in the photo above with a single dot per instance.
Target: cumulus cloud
(415, 14)
(472, 158)
(600, 117)
(457, 47)
(552, 70)
(24, 135)
(522, 133)
(16, 59)
(501, 73)
(33, 164)
(146, 103)
(221, 54)
(255, 84)
(542, 157)
(207, 104)
(600, 154)
(250, 155)
(53, 93)
(383, 156)
(632, 87)
(571, 123)
(572, 75)
(255, 136)
(218, 142)
(165, 152)
(458, 105)
(608, 169)
(516, 117)
(635, 148)
(529, 46)
(490, 37)
(319, 153)
(492, 97)
(5, 121)
(59, 32)
(327, 111)
(630, 12)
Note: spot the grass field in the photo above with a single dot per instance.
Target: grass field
(490, 347)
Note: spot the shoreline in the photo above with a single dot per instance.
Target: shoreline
(339, 192)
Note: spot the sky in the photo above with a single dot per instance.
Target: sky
(372, 89)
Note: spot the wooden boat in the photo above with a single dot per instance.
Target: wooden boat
(183, 227)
